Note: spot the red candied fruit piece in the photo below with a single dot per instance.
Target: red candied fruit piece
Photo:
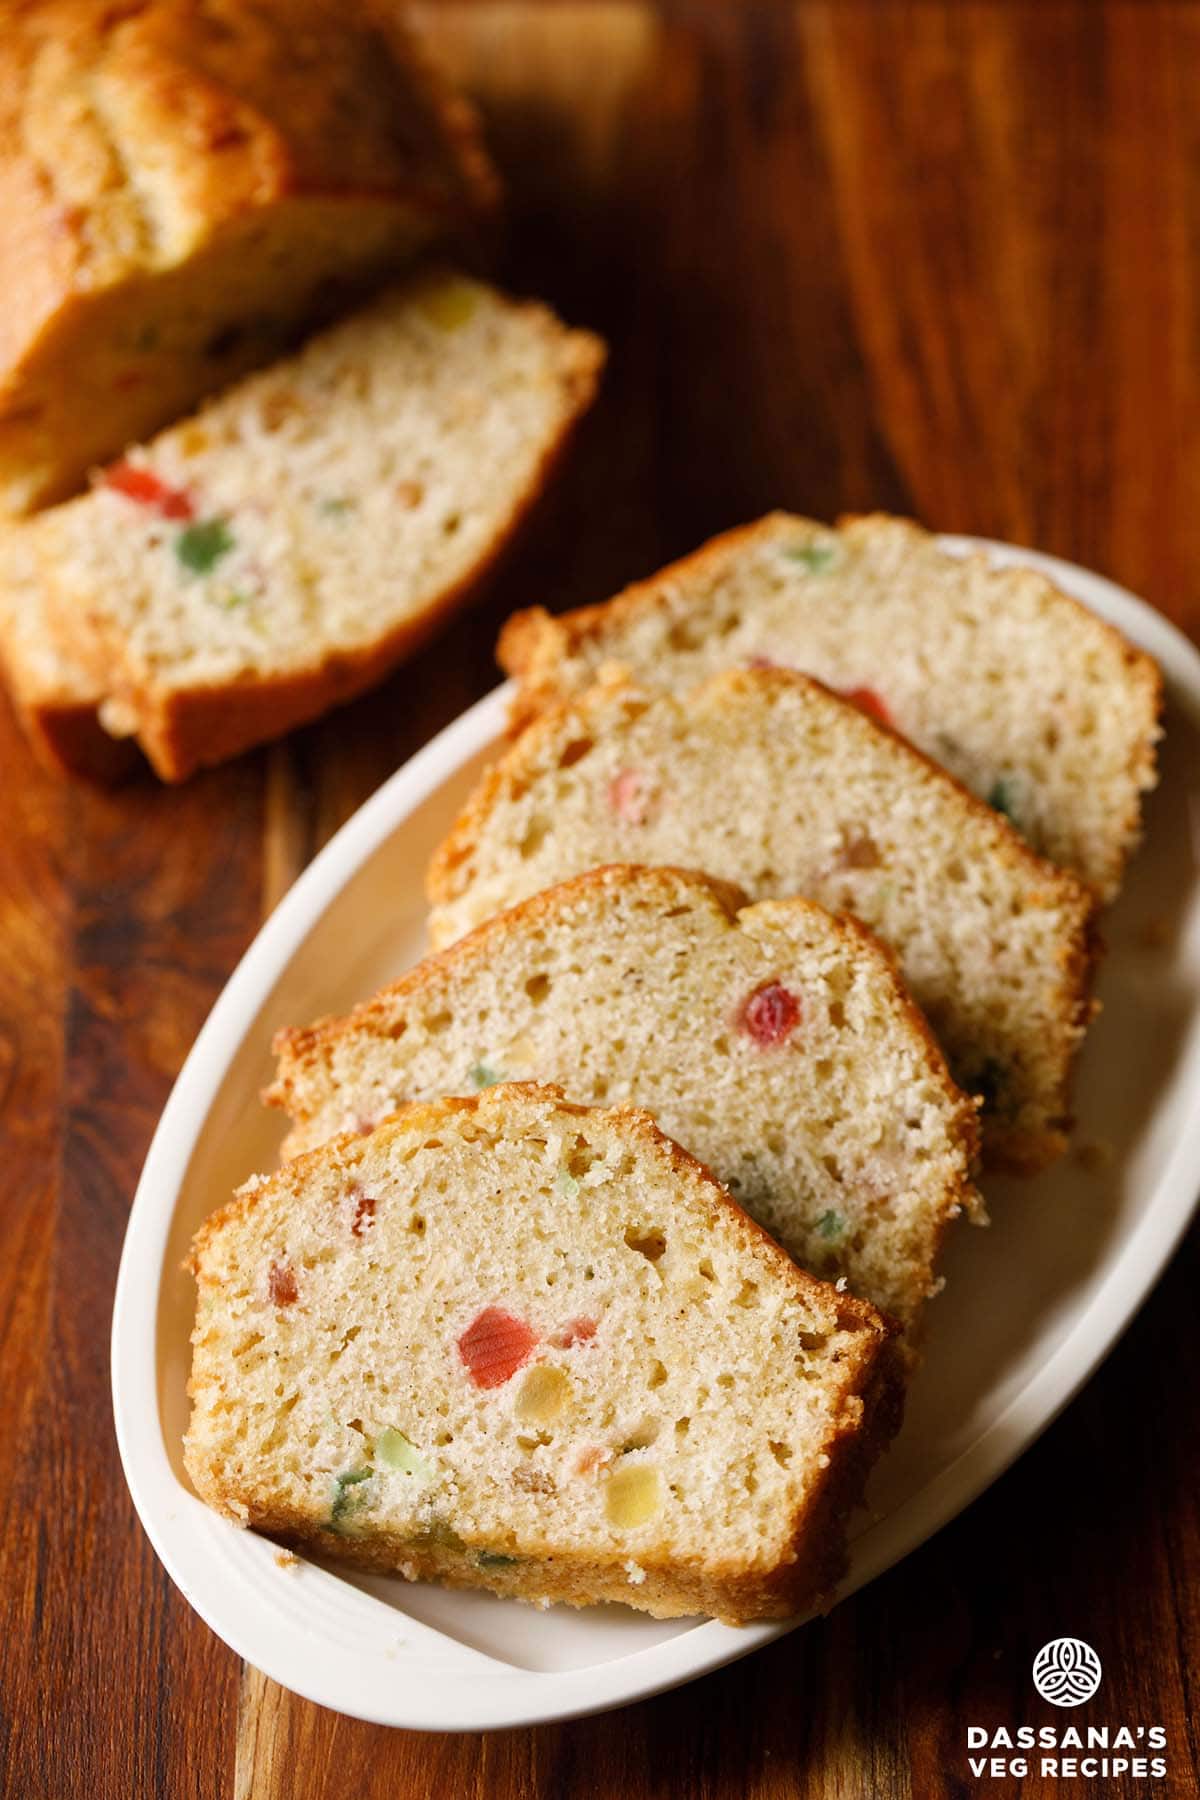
(770, 1015)
(148, 489)
(629, 796)
(869, 702)
(281, 1284)
(575, 1331)
(495, 1345)
(363, 1216)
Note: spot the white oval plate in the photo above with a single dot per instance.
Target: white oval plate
(1031, 1305)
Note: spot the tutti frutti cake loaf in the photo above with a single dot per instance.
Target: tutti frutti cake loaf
(1041, 708)
(288, 545)
(510, 1343)
(775, 1041)
(185, 183)
(770, 780)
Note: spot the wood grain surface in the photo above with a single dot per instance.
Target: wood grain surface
(942, 258)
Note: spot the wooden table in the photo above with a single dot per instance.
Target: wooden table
(939, 258)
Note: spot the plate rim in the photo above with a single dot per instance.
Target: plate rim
(493, 1694)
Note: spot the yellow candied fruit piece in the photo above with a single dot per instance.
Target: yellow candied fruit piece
(543, 1395)
(448, 304)
(633, 1496)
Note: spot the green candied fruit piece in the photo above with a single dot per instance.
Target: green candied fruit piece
(831, 1224)
(491, 1559)
(816, 558)
(1002, 799)
(482, 1075)
(567, 1183)
(345, 1501)
(335, 506)
(395, 1451)
(201, 546)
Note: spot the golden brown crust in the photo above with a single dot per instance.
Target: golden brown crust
(1010, 1146)
(68, 738)
(184, 729)
(806, 1571)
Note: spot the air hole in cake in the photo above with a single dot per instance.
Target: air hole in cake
(658, 1376)
(781, 1452)
(451, 523)
(641, 1438)
(648, 1241)
(534, 836)
(417, 1224)
(747, 1294)
(682, 1427)
(725, 1381)
(682, 637)
(438, 1022)
(580, 1159)
(705, 1268)
(837, 1014)
(575, 751)
(538, 987)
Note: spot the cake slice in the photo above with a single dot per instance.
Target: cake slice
(509, 1343)
(285, 547)
(775, 1041)
(1039, 707)
(769, 780)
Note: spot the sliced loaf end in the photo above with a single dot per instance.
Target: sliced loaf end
(511, 1343)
